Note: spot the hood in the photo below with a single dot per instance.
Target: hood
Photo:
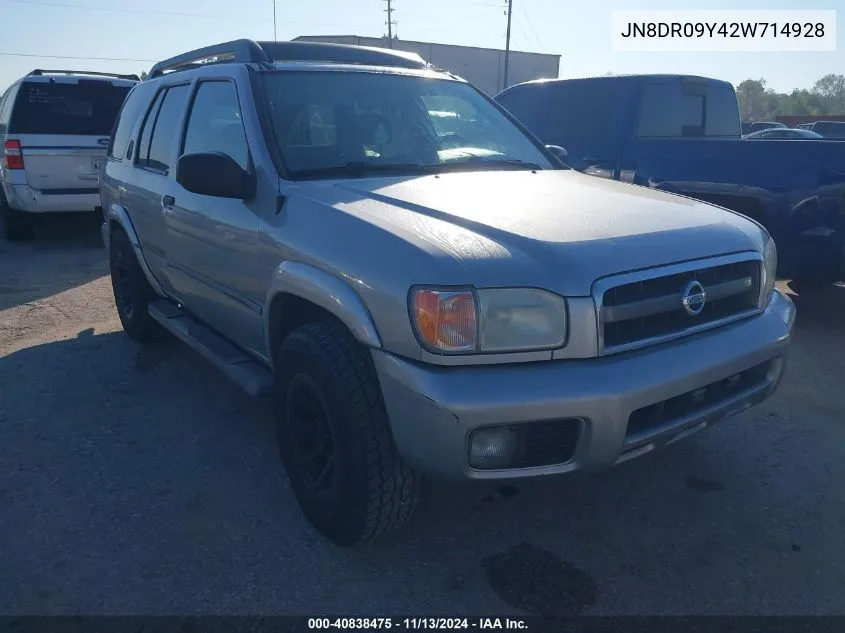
(559, 230)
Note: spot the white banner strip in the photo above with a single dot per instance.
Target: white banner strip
(723, 31)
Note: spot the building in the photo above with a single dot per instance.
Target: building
(482, 67)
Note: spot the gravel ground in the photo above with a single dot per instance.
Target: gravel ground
(139, 481)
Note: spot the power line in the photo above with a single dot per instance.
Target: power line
(103, 59)
(533, 31)
(67, 5)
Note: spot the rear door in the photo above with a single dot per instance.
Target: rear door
(63, 126)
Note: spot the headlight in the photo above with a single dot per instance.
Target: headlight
(490, 320)
(770, 271)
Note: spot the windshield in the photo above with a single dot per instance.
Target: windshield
(83, 108)
(357, 123)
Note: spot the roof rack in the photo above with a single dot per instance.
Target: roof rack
(39, 72)
(251, 52)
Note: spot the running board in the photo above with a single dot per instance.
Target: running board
(245, 372)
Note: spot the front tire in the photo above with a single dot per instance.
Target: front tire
(132, 291)
(335, 438)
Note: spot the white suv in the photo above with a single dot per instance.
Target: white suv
(55, 127)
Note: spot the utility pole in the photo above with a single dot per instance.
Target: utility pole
(508, 43)
(275, 39)
(390, 23)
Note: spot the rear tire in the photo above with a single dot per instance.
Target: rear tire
(335, 438)
(17, 226)
(132, 291)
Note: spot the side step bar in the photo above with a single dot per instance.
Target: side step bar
(245, 372)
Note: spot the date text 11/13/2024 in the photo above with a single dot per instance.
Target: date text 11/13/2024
(416, 623)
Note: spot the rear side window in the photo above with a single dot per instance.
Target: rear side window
(669, 110)
(6, 108)
(125, 123)
(215, 123)
(161, 127)
(86, 108)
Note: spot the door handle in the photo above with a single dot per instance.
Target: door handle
(595, 158)
(167, 202)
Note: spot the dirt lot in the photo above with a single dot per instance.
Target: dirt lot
(141, 481)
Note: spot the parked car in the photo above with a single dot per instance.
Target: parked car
(54, 127)
(785, 134)
(415, 307)
(682, 134)
(756, 126)
(828, 129)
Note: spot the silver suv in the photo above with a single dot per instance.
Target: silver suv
(54, 129)
(420, 298)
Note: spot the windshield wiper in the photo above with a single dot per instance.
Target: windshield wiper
(357, 169)
(476, 159)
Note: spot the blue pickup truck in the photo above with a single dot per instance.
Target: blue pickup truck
(682, 134)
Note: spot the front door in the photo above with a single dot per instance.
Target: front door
(212, 242)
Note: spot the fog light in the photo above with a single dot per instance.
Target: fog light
(492, 448)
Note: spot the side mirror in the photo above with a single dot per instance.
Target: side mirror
(558, 151)
(212, 174)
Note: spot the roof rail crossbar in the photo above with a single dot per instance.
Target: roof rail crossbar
(308, 51)
(243, 51)
(40, 72)
(248, 51)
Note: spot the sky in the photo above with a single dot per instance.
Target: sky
(137, 33)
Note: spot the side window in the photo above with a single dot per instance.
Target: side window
(6, 107)
(147, 131)
(123, 126)
(215, 124)
(167, 128)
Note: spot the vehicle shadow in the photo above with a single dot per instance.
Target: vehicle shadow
(67, 252)
(134, 479)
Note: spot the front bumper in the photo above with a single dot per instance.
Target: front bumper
(433, 410)
(26, 199)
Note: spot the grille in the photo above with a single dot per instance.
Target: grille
(661, 415)
(651, 309)
(546, 443)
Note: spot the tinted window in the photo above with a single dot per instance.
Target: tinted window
(147, 131)
(161, 127)
(215, 123)
(529, 104)
(666, 111)
(129, 114)
(582, 110)
(6, 108)
(88, 107)
(167, 127)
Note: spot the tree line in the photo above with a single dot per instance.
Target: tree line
(758, 103)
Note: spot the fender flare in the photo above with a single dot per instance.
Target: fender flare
(117, 215)
(331, 293)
